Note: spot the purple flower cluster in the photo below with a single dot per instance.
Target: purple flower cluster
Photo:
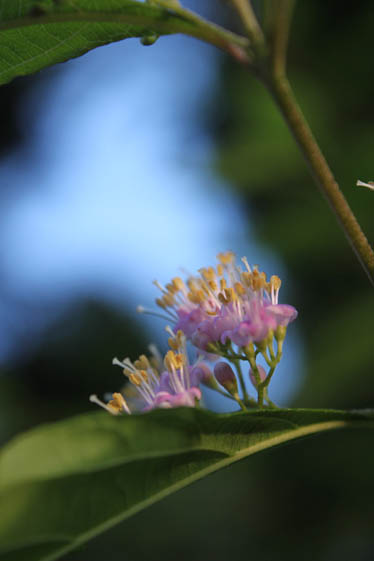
(229, 303)
(222, 306)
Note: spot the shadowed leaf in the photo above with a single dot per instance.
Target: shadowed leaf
(63, 483)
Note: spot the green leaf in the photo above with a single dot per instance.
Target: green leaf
(62, 484)
(37, 33)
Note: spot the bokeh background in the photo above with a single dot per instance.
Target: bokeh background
(130, 162)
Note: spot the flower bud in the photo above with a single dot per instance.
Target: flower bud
(225, 376)
(261, 372)
(280, 333)
(202, 374)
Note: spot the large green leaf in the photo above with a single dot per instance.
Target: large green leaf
(37, 33)
(63, 483)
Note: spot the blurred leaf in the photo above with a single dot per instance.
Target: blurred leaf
(37, 33)
(64, 483)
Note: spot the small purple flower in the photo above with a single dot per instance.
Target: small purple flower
(283, 314)
(189, 320)
(187, 398)
(171, 384)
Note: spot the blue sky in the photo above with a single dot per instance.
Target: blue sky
(120, 188)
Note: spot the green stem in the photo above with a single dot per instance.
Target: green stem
(226, 394)
(259, 385)
(260, 397)
(266, 382)
(285, 99)
(271, 351)
(269, 361)
(271, 404)
(235, 356)
(242, 404)
(241, 379)
(250, 23)
(277, 21)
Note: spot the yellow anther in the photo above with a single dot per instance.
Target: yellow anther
(169, 300)
(135, 379)
(258, 280)
(239, 288)
(222, 284)
(144, 375)
(180, 336)
(222, 299)
(145, 361)
(142, 363)
(213, 285)
(178, 283)
(256, 283)
(226, 258)
(219, 269)
(160, 302)
(208, 273)
(173, 343)
(173, 361)
(196, 296)
(117, 404)
(230, 294)
(213, 313)
(171, 288)
(246, 278)
(275, 282)
(127, 372)
(179, 360)
(169, 360)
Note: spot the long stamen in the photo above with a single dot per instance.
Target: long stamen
(369, 184)
(245, 261)
(169, 330)
(94, 399)
(114, 407)
(149, 312)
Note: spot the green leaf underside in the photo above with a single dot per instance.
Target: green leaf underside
(35, 34)
(30, 38)
(63, 483)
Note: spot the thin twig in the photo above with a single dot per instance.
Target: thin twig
(284, 97)
(277, 25)
(249, 20)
